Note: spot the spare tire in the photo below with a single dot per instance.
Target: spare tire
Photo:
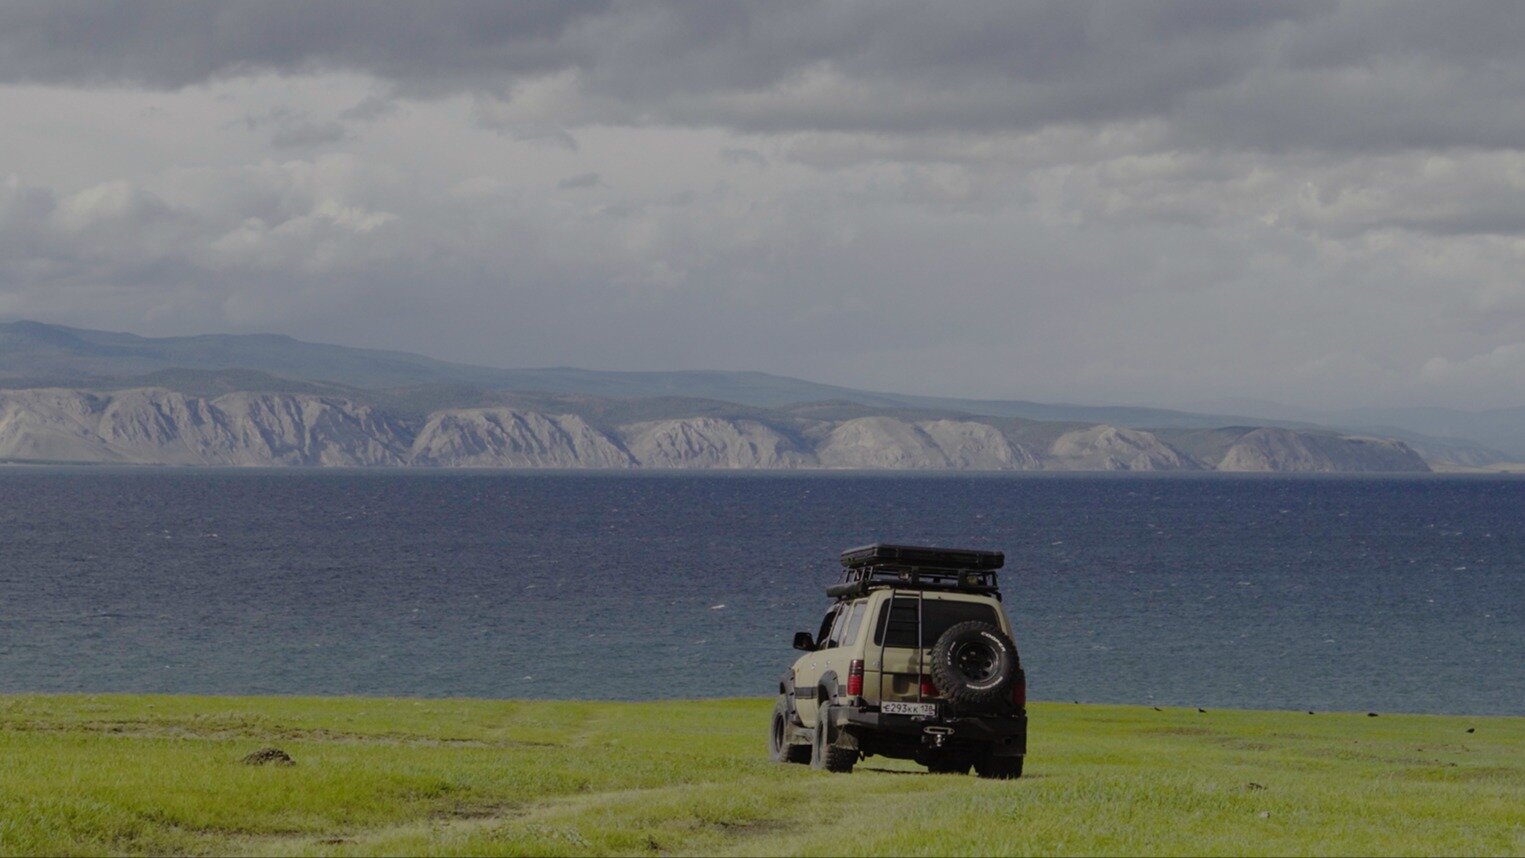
(973, 664)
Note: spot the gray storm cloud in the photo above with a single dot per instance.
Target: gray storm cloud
(1267, 75)
(1145, 202)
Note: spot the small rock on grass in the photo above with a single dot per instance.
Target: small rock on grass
(269, 757)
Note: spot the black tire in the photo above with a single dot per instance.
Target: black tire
(779, 749)
(825, 757)
(974, 664)
(999, 768)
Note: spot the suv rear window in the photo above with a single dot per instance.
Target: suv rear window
(939, 615)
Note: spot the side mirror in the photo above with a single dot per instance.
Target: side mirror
(804, 641)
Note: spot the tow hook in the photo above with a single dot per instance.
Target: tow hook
(938, 735)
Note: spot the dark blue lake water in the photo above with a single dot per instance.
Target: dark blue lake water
(1272, 592)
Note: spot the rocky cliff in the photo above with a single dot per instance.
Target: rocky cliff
(1271, 449)
(1109, 448)
(709, 442)
(886, 442)
(163, 427)
(506, 438)
(155, 426)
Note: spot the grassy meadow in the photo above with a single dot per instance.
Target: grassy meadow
(163, 775)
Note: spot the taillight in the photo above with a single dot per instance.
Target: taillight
(855, 678)
(928, 687)
(1019, 691)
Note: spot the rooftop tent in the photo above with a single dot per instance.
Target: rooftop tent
(920, 557)
(911, 567)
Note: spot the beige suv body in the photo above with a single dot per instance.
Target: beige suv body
(913, 660)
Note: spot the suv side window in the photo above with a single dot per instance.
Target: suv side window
(827, 623)
(854, 622)
(835, 638)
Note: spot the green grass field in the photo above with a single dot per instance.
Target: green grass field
(119, 774)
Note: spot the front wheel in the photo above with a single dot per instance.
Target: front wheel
(779, 749)
(999, 768)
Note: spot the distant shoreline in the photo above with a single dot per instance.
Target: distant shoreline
(1447, 472)
(1498, 468)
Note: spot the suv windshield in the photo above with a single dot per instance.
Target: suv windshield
(939, 615)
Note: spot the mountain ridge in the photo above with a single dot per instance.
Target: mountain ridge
(77, 353)
(155, 426)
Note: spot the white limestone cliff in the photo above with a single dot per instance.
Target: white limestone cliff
(162, 427)
(508, 438)
(152, 426)
(888, 442)
(709, 442)
(1110, 448)
(1273, 449)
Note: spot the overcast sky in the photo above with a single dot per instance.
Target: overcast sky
(1164, 203)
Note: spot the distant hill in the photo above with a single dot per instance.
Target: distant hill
(411, 386)
(36, 354)
(1499, 428)
(1486, 432)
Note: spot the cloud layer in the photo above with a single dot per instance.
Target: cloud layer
(1323, 203)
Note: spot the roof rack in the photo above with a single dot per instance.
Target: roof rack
(911, 567)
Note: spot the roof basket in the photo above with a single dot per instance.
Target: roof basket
(912, 567)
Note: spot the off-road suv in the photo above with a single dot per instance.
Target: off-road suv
(913, 660)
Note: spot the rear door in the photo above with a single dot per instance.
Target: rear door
(905, 659)
(841, 646)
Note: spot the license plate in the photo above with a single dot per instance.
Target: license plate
(926, 709)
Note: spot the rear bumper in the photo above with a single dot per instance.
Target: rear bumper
(1007, 733)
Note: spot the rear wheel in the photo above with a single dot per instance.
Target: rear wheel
(823, 755)
(779, 749)
(999, 768)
